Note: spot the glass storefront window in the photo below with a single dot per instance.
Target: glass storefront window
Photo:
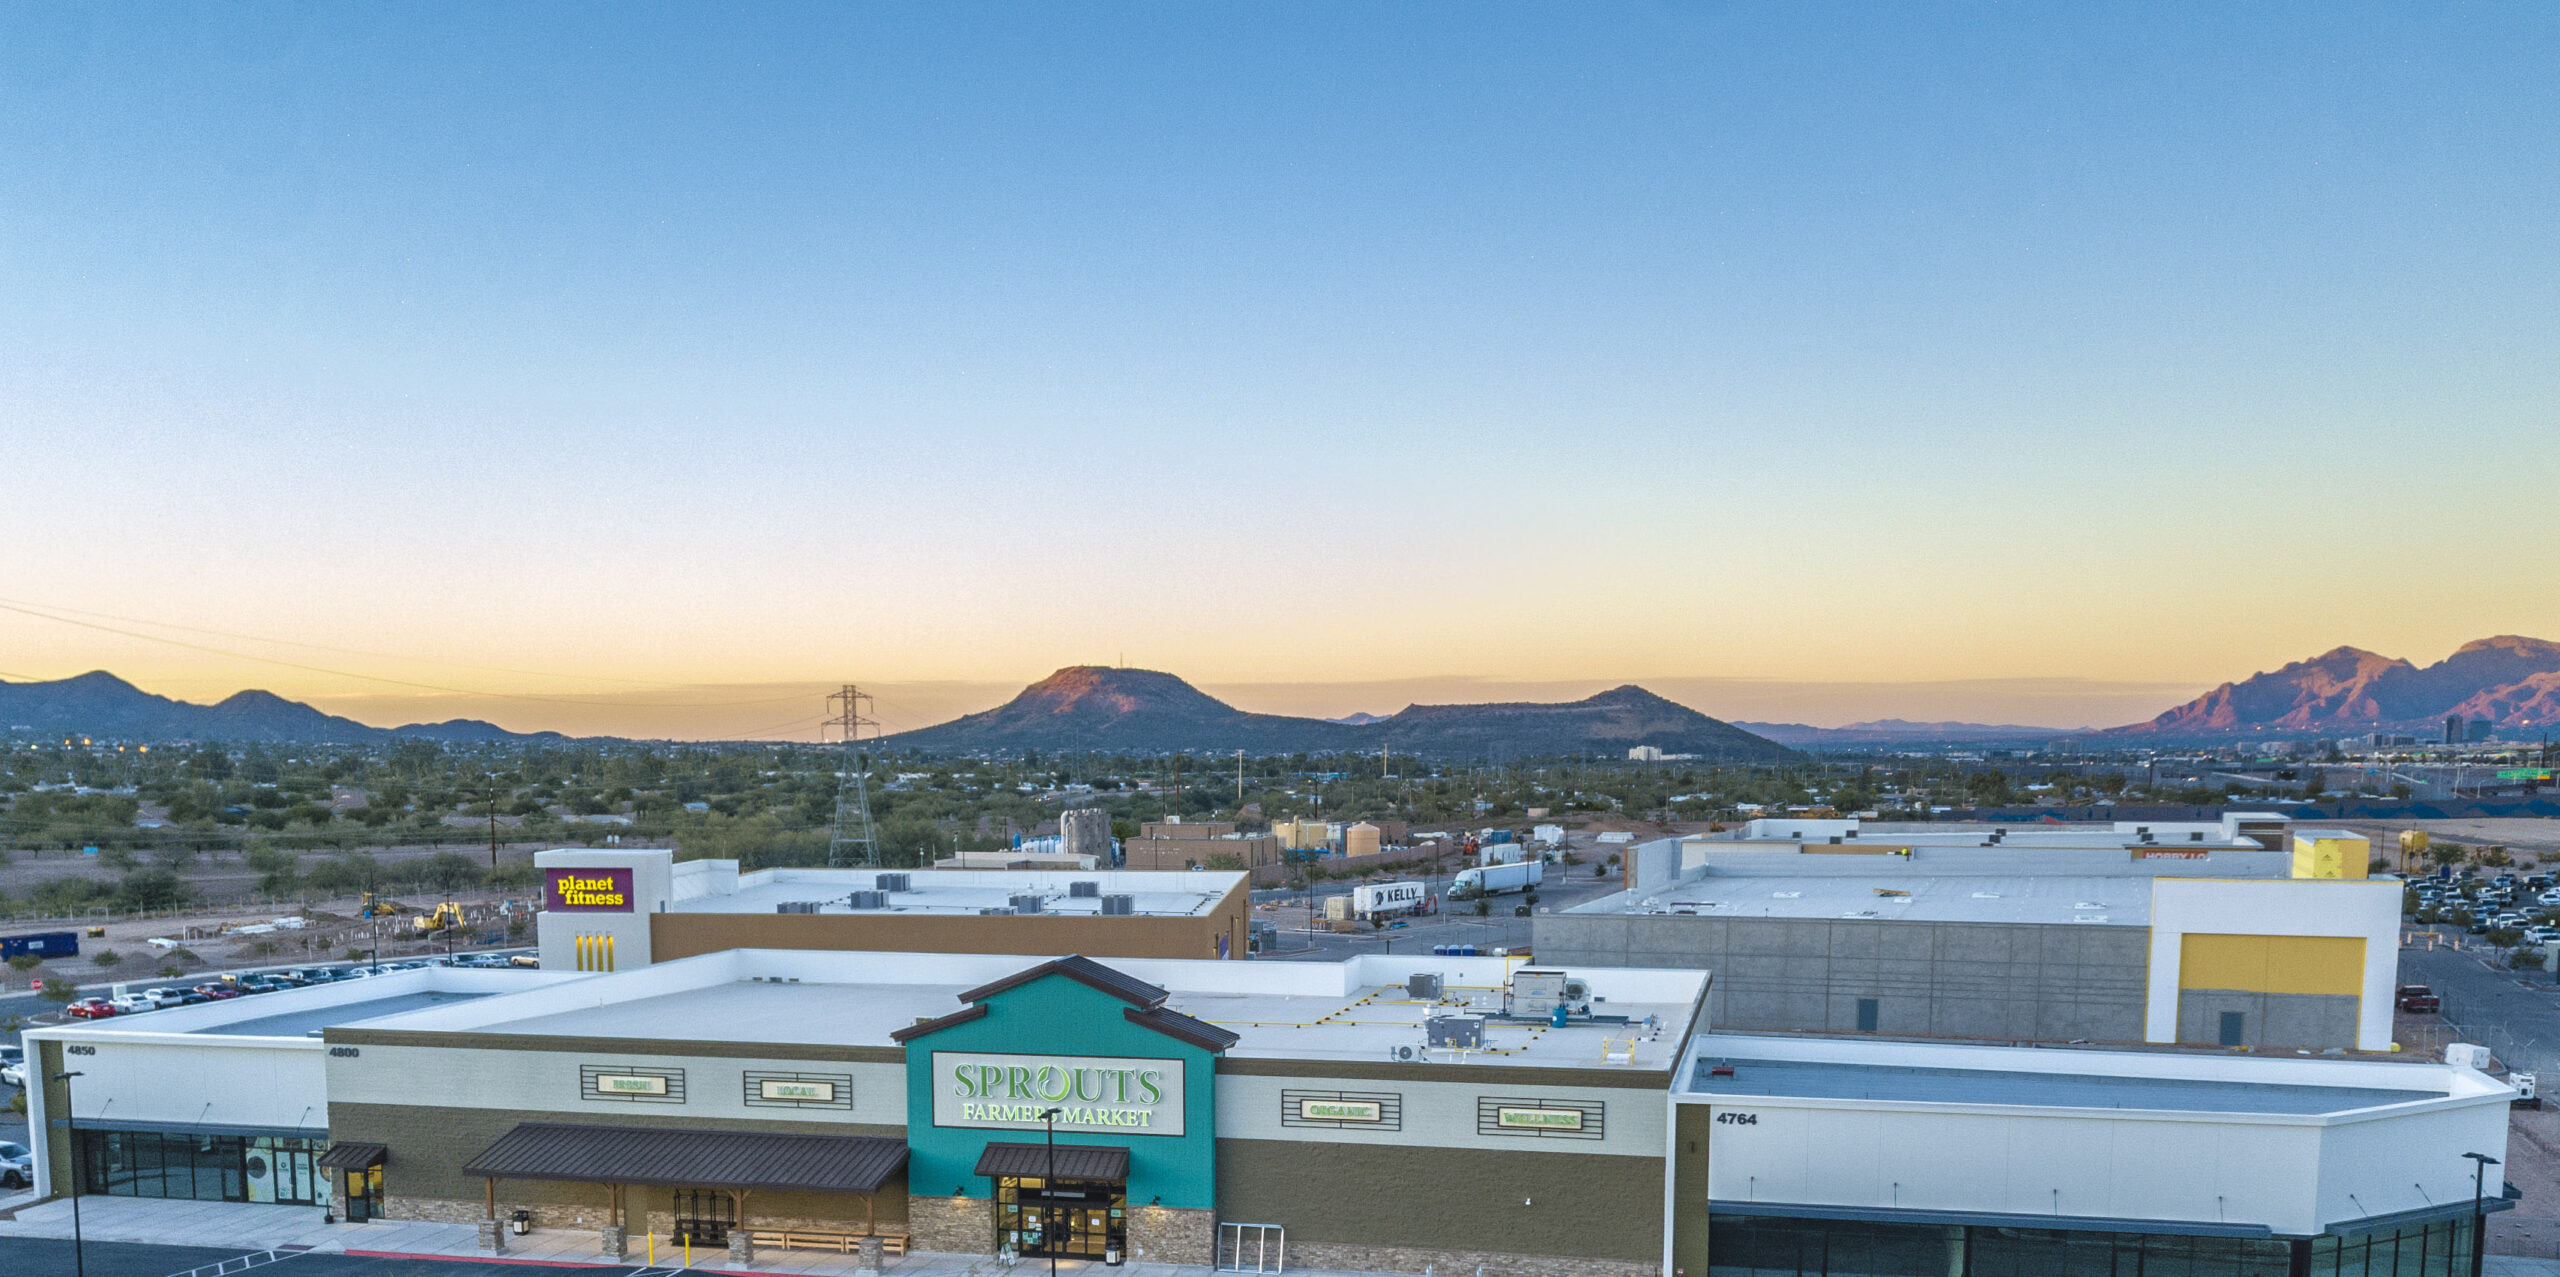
(209, 1168)
(1776, 1246)
(1073, 1219)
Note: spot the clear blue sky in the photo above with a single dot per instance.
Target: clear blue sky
(773, 342)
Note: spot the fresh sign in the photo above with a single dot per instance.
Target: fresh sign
(1092, 1093)
(630, 1084)
(1539, 1119)
(587, 890)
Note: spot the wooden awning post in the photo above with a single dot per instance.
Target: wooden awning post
(613, 1206)
(870, 1221)
(491, 1200)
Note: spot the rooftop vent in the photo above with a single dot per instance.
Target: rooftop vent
(1119, 906)
(893, 882)
(995, 913)
(1026, 902)
(2195, 836)
(868, 900)
(1083, 889)
(798, 906)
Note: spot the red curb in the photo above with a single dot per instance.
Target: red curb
(480, 1259)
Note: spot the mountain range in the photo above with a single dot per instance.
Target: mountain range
(1885, 732)
(1091, 707)
(2510, 680)
(99, 704)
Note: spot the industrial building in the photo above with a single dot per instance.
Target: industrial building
(1402, 1114)
(616, 910)
(2232, 933)
(1180, 845)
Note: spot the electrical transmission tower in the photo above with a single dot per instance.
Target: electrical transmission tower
(851, 840)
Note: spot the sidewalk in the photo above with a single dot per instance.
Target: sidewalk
(246, 1228)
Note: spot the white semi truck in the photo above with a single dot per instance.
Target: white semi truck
(1498, 880)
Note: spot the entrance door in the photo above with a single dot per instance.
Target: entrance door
(364, 1191)
(704, 1216)
(1071, 1219)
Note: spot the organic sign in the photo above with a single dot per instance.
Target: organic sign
(1091, 1093)
(1540, 1119)
(1339, 1110)
(587, 890)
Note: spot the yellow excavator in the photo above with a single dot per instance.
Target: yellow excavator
(443, 917)
(375, 906)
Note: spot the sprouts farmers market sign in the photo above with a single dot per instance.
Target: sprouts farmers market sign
(1092, 1093)
(587, 890)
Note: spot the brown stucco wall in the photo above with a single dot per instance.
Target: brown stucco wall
(1351, 1197)
(430, 1145)
(684, 935)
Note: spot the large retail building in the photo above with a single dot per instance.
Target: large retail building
(1400, 1114)
(2243, 932)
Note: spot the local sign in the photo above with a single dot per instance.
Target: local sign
(1118, 1095)
(805, 1092)
(1539, 1119)
(587, 890)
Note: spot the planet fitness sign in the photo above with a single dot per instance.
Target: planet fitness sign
(1091, 1093)
(587, 891)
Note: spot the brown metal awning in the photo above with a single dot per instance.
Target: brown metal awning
(710, 1159)
(1075, 1161)
(353, 1157)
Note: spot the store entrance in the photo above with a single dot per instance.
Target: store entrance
(1068, 1218)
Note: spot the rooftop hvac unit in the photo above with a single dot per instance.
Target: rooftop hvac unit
(893, 882)
(868, 900)
(798, 906)
(1539, 992)
(1422, 987)
(1083, 890)
(1405, 1051)
(994, 913)
(1119, 906)
(1026, 902)
(1460, 1031)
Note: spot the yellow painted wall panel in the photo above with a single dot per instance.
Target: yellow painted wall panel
(2272, 964)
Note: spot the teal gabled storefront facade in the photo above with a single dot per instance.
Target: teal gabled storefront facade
(1088, 1040)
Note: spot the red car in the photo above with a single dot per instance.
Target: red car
(218, 990)
(89, 1009)
(2418, 999)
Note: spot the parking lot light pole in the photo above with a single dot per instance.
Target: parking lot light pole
(79, 1260)
(2480, 1164)
(1049, 1194)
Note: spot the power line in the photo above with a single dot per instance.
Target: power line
(851, 839)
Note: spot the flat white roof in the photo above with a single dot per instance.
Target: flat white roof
(1908, 1073)
(303, 1012)
(2086, 901)
(958, 892)
(1350, 1010)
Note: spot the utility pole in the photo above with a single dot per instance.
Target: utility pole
(493, 824)
(1239, 784)
(851, 839)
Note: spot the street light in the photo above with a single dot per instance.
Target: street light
(1049, 1192)
(71, 1132)
(2480, 1164)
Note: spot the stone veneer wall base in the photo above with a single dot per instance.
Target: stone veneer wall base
(952, 1225)
(1164, 1235)
(1459, 1263)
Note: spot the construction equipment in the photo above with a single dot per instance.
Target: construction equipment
(442, 917)
(375, 906)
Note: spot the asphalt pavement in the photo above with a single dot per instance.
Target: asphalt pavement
(52, 1257)
(2516, 1014)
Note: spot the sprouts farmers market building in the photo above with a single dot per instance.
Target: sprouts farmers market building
(1405, 1114)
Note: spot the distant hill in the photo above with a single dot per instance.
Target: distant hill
(2510, 680)
(1088, 707)
(1886, 732)
(101, 706)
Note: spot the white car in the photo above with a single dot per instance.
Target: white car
(14, 1073)
(17, 1166)
(134, 1004)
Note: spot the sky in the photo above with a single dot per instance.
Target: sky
(591, 364)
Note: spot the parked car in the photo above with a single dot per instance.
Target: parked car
(2418, 999)
(176, 996)
(14, 1073)
(17, 1166)
(261, 984)
(218, 991)
(525, 960)
(134, 1004)
(90, 1009)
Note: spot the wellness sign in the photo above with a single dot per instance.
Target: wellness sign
(1092, 1093)
(587, 890)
